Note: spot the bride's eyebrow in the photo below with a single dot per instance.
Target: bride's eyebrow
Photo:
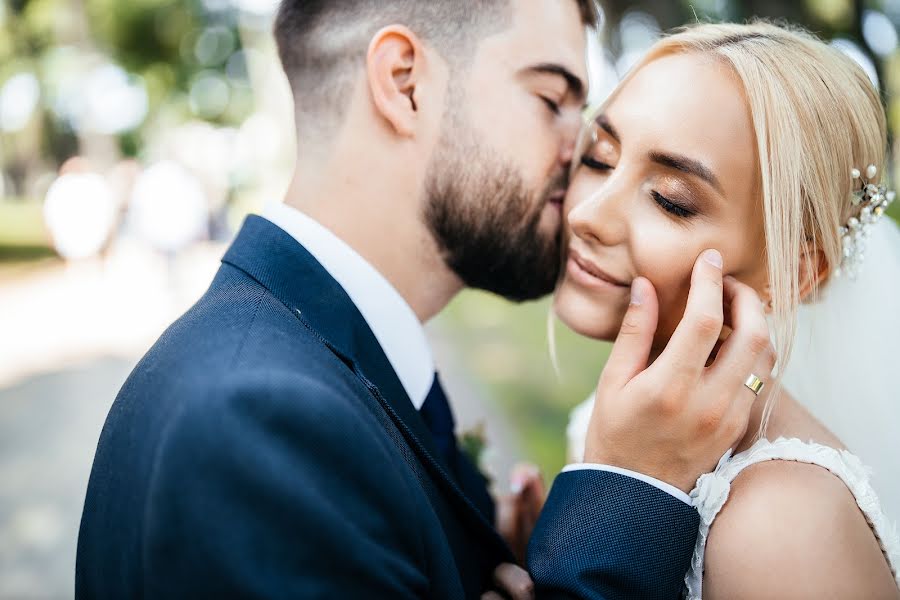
(689, 166)
(672, 161)
(604, 123)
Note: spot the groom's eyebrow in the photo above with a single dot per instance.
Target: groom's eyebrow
(576, 86)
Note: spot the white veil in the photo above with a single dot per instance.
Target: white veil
(845, 366)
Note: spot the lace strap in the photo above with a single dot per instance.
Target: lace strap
(712, 490)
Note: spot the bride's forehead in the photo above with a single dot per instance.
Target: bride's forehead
(690, 98)
(690, 86)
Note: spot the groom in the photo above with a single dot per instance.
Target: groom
(288, 436)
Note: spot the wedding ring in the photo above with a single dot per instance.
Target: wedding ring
(754, 384)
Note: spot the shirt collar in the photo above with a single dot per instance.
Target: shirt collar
(391, 319)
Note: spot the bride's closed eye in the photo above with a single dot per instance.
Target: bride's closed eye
(593, 163)
(670, 206)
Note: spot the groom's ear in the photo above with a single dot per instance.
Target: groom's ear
(394, 67)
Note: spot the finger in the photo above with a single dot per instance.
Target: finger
(631, 352)
(700, 328)
(522, 475)
(491, 596)
(532, 502)
(507, 519)
(743, 406)
(748, 350)
(515, 581)
(528, 485)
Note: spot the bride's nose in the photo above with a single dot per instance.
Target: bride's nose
(599, 218)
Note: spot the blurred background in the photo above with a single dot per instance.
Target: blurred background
(135, 135)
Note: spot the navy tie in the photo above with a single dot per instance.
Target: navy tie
(438, 417)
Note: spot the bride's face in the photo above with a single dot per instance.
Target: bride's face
(673, 171)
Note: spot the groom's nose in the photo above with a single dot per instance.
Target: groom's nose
(569, 142)
(567, 154)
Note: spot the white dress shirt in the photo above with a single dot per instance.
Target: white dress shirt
(391, 319)
(396, 327)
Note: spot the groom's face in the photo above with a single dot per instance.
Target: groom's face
(498, 176)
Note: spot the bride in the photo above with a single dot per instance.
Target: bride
(769, 145)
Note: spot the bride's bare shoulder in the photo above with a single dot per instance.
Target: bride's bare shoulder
(793, 530)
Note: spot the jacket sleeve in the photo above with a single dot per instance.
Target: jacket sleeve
(606, 536)
(267, 494)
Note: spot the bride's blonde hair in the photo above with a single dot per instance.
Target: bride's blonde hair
(816, 116)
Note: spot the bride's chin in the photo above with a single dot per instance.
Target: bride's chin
(588, 317)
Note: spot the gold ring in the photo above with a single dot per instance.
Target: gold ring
(754, 384)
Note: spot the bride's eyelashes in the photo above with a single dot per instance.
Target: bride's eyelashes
(596, 165)
(670, 206)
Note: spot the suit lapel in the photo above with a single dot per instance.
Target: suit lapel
(275, 259)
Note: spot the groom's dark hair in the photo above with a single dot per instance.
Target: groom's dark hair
(319, 40)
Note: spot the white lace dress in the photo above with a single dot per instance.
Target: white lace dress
(712, 490)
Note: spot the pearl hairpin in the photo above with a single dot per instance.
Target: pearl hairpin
(874, 199)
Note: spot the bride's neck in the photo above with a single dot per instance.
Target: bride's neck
(788, 418)
(757, 413)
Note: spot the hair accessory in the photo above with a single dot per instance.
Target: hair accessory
(874, 199)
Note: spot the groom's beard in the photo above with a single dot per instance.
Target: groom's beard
(487, 223)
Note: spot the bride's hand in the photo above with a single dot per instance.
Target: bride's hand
(518, 511)
(513, 581)
(675, 419)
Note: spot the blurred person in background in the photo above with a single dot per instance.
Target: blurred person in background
(289, 436)
(770, 145)
(81, 211)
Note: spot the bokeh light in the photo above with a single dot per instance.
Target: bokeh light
(79, 212)
(880, 34)
(19, 96)
(168, 207)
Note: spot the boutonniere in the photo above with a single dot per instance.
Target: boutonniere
(473, 443)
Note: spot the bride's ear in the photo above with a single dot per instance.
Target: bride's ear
(814, 272)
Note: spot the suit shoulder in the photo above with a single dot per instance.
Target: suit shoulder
(327, 402)
(792, 529)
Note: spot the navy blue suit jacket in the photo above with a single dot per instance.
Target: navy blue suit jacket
(265, 448)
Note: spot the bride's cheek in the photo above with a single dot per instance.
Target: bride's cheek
(669, 268)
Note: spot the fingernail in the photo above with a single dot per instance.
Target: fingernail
(637, 292)
(521, 475)
(714, 258)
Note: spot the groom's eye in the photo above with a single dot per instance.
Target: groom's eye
(553, 106)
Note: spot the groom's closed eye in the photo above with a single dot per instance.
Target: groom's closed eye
(572, 89)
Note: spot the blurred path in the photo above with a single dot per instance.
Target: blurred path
(49, 426)
(62, 314)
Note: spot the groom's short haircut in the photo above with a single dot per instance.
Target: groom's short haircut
(320, 40)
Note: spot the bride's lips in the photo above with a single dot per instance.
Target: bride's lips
(588, 274)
